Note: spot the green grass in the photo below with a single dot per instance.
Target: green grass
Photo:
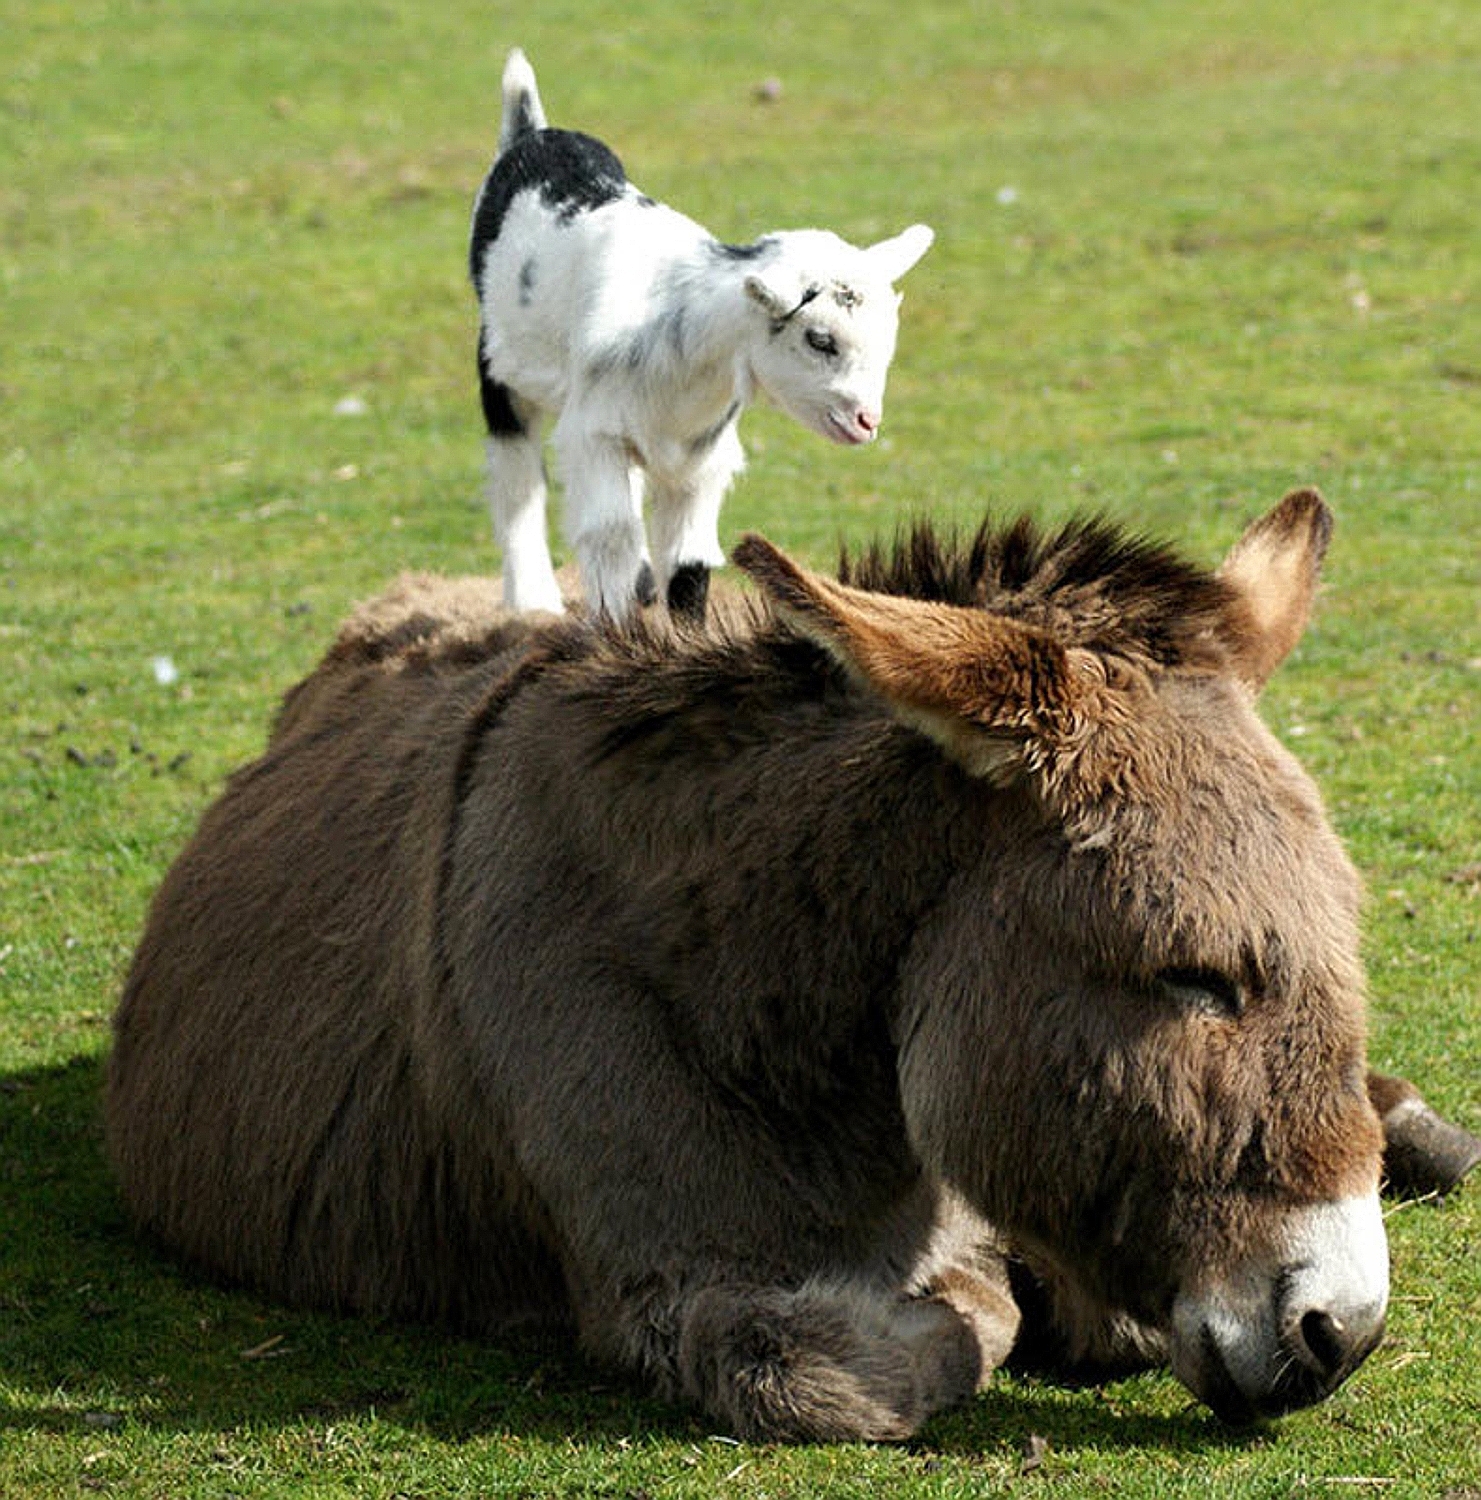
(1240, 254)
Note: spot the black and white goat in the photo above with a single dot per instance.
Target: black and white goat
(645, 337)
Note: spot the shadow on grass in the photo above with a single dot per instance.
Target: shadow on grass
(1028, 1415)
(98, 1330)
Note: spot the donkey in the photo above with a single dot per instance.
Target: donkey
(752, 997)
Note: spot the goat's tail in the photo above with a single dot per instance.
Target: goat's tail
(523, 112)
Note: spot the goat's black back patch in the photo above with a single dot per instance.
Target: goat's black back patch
(573, 173)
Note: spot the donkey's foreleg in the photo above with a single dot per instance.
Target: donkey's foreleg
(824, 1363)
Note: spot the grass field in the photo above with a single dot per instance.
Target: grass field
(1189, 255)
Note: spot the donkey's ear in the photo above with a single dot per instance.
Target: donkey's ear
(1274, 569)
(981, 686)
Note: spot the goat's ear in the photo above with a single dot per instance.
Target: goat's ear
(983, 687)
(776, 300)
(1274, 569)
(892, 258)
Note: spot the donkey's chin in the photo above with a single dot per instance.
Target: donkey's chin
(1207, 1373)
(1287, 1331)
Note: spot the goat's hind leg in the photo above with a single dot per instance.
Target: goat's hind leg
(517, 491)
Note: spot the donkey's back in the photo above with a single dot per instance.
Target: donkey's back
(273, 1108)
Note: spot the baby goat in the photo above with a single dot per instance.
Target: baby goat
(645, 338)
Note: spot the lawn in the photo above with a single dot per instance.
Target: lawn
(1189, 255)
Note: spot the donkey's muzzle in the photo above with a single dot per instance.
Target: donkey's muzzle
(1286, 1332)
(1329, 1350)
(1318, 1359)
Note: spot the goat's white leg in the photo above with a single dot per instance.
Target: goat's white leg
(644, 589)
(603, 521)
(516, 489)
(684, 517)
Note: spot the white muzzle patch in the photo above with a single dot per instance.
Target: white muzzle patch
(1288, 1328)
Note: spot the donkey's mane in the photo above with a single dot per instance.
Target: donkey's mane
(1091, 584)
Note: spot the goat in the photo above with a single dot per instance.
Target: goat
(646, 338)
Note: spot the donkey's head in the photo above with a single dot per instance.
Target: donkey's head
(1135, 1034)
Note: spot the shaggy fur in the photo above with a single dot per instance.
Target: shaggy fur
(748, 996)
(1090, 584)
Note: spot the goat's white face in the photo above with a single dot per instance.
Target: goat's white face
(832, 315)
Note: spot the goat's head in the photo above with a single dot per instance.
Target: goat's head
(831, 315)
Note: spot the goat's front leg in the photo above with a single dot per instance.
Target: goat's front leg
(684, 524)
(603, 520)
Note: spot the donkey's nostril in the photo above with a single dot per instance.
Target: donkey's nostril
(1326, 1341)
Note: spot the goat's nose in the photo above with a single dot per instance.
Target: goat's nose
(867, 420)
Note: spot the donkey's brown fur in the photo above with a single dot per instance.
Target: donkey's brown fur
(745, 996)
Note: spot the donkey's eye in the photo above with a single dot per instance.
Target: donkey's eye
(823, 341)
(1207, 989)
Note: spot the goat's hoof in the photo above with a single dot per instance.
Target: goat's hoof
(646, 586)
(688, 591)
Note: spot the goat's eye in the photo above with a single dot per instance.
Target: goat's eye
(823, 341)
(1206, 989)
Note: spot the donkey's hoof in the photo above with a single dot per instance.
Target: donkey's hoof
(1424, 1154)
